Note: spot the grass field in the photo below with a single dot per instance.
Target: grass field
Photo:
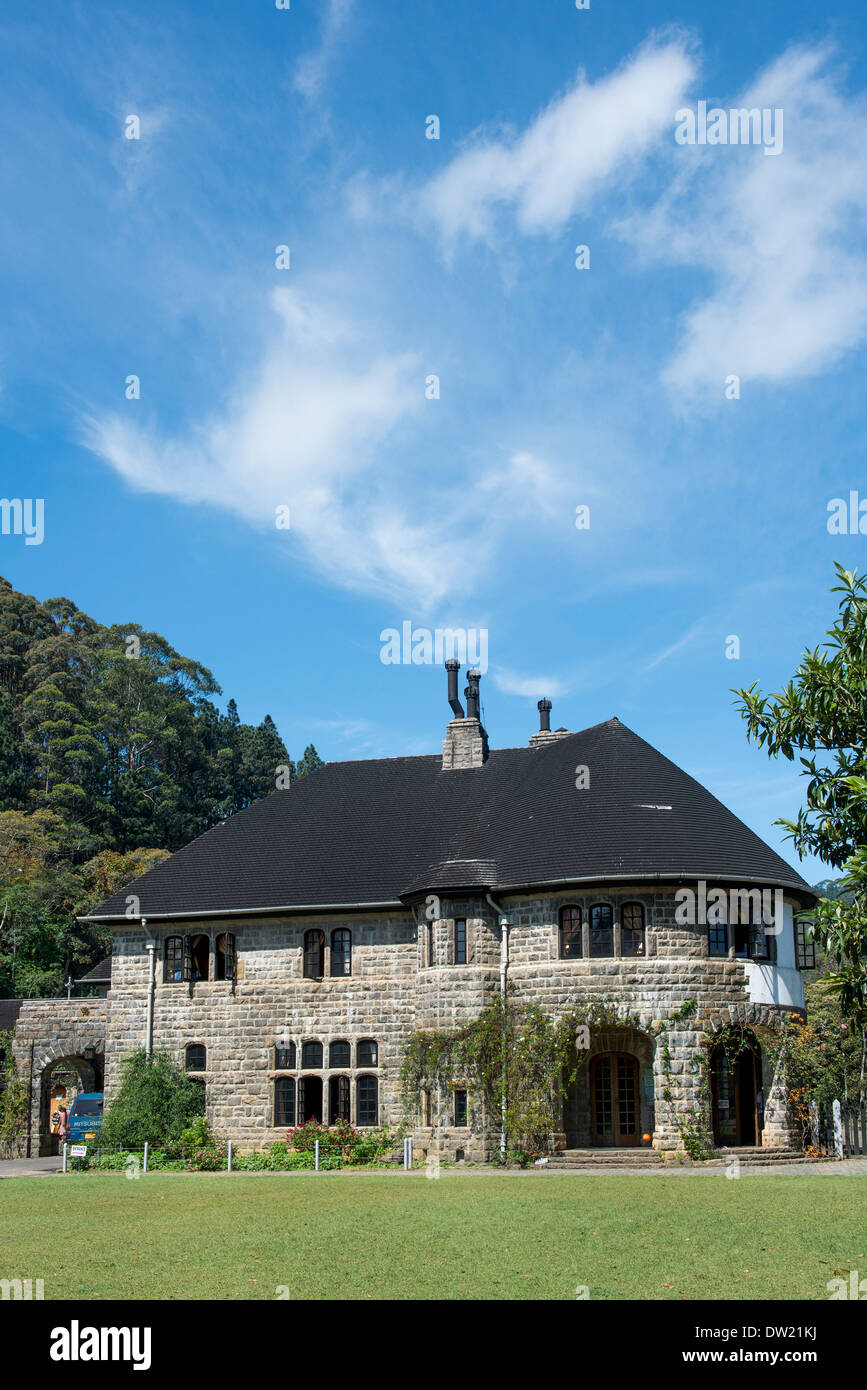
(465, 1236)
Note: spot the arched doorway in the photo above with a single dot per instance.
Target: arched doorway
(310, 1099)
(62, 1080)
(736, 1091)
(614, 1100)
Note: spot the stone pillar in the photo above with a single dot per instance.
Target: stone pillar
(679, 1072)
(776, 1129)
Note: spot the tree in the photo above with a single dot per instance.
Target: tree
(112, 753)
(823, 713)
(155, 1102)
(310, 761)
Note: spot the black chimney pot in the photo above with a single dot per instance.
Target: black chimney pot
(453, 666)
(544, 708)
(472, 694)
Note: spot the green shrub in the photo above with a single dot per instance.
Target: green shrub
(156, 1103)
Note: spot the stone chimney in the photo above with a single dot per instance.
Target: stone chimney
(545, 734)
(465, 743)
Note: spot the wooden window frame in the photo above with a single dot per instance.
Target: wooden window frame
(312, 1066)
(226, 957)
(177, 956)
(628, 929)
(460, 1123)
(461, 941)
(191, 1047)
(574, 935)
(344, 1064)
(341, 954)
(314, 954)
(805, 951)
(594, 954)
(370, 1082)
(285, 1086)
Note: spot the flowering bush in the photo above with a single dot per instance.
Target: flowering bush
(340, 1141)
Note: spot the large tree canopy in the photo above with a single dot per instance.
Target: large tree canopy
(112, 753)
(822, 717)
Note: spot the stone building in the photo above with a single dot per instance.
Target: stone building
(287, 955)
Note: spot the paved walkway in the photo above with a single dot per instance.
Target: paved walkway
(850, 1167)
(29, 1167)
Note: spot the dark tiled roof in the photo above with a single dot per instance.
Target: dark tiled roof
(9, 1011)
(99, 975)
(372, 832)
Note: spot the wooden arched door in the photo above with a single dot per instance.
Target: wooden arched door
(736, 1095)
(614, 1099)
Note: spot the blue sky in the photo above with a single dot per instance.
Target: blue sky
(559, 387)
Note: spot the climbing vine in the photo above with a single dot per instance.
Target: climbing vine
(13, 1099)
(517, 1046)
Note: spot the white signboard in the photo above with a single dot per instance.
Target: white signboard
(78, 1150)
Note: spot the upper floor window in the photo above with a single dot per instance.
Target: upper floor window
(717, 939)
(339, 1054)
(601, 930)
(341, 952)
(570, 933)
(314, 954)
(226, 956)
(460, 941)
(367, 1054)
(805, 951)
(632, 929)
(187, 958)
(174, 967)
(196, 1057)
(748, 935)
(430, 944)
(200, 957)
(285, 1058)
(311, 1054)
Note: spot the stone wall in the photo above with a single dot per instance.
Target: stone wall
(49, 1031)
(403, 978)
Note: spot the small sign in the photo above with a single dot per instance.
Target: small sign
(78, 1150)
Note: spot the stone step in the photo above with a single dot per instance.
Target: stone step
(650, 1158)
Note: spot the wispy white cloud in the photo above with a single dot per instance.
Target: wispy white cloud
(533, 686)
(311, 71)
(677, 646)
(304, 432)
(593, 133)
(782, 238)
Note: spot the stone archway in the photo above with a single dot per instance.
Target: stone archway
(65, 1078)
(611, 1101)
(48, 1032)
(763, 1023)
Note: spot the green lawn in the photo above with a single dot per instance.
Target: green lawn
(466, 1235)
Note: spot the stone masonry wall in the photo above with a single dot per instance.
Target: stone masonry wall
(404, 977)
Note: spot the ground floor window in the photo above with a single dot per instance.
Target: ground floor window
(310, 1099)
(460, 1109)
(338, 1099)
(284, 1101)
(367, 1100)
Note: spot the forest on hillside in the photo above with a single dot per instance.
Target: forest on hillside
(113, 754)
